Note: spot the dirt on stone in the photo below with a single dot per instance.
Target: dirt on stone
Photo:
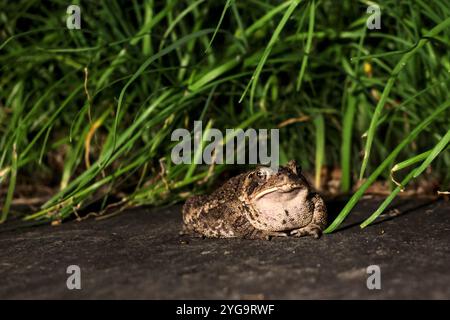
(139, 255)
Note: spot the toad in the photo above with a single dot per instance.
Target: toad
(259, 204)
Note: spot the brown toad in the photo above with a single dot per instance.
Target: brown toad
(258, 204)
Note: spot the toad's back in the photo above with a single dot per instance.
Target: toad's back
(219, 214)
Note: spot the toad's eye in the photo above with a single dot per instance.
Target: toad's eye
(264, 173)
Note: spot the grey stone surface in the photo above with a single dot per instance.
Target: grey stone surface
(139, 255)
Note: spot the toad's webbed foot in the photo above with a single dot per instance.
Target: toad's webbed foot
(310, 230)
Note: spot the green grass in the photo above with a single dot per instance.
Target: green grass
(90, 112)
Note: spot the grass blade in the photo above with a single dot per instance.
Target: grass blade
(312, 10)
(254, 79)
(11, 187)
(320, 149)
(224, 11)
(433, 154)
(358, 194)
(413, 174)
(387, 89)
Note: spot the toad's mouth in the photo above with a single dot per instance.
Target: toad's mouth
(283, 189)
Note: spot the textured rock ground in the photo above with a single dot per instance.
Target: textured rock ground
(139, 254)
